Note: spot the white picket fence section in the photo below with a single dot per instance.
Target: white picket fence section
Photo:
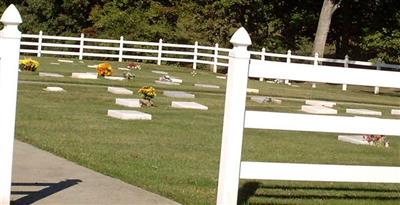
(10, 38)
(236, 118)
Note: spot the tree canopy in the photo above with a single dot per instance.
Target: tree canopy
(362, 29)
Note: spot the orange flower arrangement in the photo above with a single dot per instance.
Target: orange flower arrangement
(104, 69)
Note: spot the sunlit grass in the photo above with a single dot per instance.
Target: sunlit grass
(176, 154)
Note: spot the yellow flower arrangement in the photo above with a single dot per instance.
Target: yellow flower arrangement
(28, 64)
(104, 69)
(147, 92)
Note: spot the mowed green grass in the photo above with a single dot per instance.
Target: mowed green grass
(176, 154)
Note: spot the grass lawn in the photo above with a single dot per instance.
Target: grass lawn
(176, 154)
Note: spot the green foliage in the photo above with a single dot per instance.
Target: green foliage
(384, 45)
(277, 25)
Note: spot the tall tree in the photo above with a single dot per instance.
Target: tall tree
(324, 22)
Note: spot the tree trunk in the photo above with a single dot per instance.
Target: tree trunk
(327, 10)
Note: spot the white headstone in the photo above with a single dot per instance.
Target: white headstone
(175, 80)
(54, 63)
(119, 91)
(253, 90)
(188, 105)
(221, 77)
(206, 86)
(363, 112)
(264, 99)
(54, 89)
(127, 102)
(318, 110)
(165, 82)
(355, 139)
(320, 103)
(159, 72)
(128, 115)
(55, 75)
(113, 78)
(395, 112)
(84, 75)
(65, 61)
(92, 66)
(178, 94)
(124, 69)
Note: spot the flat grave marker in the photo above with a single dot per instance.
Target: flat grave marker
(165, 82)
(363, 112)
(92, 66)
(128, 115)
(159, 72)
(84, 75)
(124, 69)
(320, 103)
(65, 61)
(252, 90)
(395, 111)
(206, 86)
(55, 75)
(265, 99)
(54, 63)
(114, 78)
(119, 91)
(178, 94)
(54, 89)
(354, 139)
(127, 102)
(188, 105)
(221, 77)
(318, 110)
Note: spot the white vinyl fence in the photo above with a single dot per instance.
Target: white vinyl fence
(10, 38)
(160, 51)
(236, 118)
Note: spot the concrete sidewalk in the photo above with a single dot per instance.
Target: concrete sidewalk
(40, 177)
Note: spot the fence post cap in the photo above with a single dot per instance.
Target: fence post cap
(241, 38)
(11, 16)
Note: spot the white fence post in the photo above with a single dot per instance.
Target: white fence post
(10, 38)
(346, 65)
(196, 44)
(121, 48)
(215, 58)
(289, 54)
(263, 59)
(81, 44)
(314, 85)
(232, 134)
(40, 40)
(159, 52)
(378, 67)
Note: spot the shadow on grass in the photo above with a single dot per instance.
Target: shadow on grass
(246, 191)
(34, 196)
(288, 192)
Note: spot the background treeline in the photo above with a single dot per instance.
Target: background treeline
(363, 29)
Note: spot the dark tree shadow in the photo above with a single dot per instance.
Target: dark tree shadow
(248, 190)
(34, 196)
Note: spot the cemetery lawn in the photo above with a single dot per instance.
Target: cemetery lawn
(176, 154)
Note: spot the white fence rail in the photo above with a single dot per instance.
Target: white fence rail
(9, 54)
(159, 52)
(236, 118)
